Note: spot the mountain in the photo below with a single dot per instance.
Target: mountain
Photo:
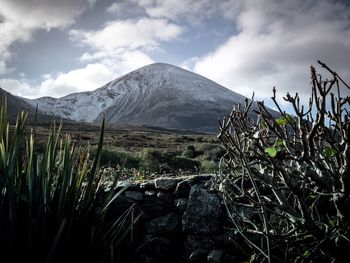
(159, 95)
(171, 97)
(16, 104)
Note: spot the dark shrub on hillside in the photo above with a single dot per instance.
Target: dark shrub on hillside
(190, 152)
(199, 139)
(122, 159)
(166, 161)
(151, 160)
(216, 154)
(179, 163)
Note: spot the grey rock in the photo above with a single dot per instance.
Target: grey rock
(210, 184)
(231, 237)
(198, 241)
(134, 195)
(163, 225)
(153, 207)
(180, 204)
(165, 197)
(182, 189)
(165, 183)
(143, 259)
(202, 213)
(194, 242)
(149, 185)
(150, 193)
(120, 205)
(198, 256)
(202, 178)
(158, 247)
(231, 259)
(219, 238)
(127, 184)
(215, 256)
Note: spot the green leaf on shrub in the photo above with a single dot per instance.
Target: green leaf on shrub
(329, 152)
(279, 142)
(284, 120)
(306, 253)
(333, 222)
(272, 151)
(263, 125)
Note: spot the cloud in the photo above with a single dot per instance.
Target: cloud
(189, 63)
(193, 11)
(92, 76)
(87, 78)
(125, 44)
(16, 87)
(125, 9)
(118, 48)
(9, 34)
(83, 79)
(20, 19)
(43, 13)
(128, 34)
(276, 44)
(115, 8)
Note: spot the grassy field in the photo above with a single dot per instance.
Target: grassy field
(145, 150)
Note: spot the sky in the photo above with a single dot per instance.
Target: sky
(57, 47)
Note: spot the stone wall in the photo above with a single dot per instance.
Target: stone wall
(182, 220)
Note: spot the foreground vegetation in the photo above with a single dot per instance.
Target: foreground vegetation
(144, 152)
(286, 181)
(51, 209)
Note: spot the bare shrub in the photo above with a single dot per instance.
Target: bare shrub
(286, 180)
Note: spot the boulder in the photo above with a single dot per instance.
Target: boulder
(143, 259)
(158, 247)
(153, 207)
(180, 204)
(215, 256)
(196, 242)
(163, 225)
(165, 183)
(126, 184)
(120, 205)
(226, 258)
(165, 197)
(134, 195)
(182, 189)
(203, 205)
(150, 193)
(149, 185)
(198, 256)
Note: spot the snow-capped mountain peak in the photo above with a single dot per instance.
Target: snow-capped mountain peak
(158, 95)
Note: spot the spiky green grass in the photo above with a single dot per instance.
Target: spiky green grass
(51, 206)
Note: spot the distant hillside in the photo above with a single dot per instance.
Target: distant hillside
(159, 95)
(16, 104)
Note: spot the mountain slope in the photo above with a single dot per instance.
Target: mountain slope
(16, 104)
(167, 96)
(156, 95)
